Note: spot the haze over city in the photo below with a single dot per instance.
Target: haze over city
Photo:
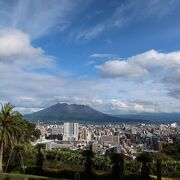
(118, 56)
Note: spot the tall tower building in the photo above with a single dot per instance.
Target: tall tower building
(70, 131)
(84, 134)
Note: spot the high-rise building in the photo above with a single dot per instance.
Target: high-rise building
(95, 147)
(70, 131)
(84, 134)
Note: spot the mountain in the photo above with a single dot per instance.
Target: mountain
(154, 117)
(73, 112)
(85, 114)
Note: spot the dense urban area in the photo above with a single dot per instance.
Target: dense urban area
(124, 139)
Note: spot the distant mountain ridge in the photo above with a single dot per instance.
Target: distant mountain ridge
(154, 117)
(61, 112)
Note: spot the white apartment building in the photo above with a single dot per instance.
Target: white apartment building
(70, 131)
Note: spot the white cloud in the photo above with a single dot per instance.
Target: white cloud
(118, 68)
(13, 43)
(99, 55)
(91, 33)
(119, 106)
(141, 108)
(16, 48)
(159, 67)
(150, 63)
(30, 89)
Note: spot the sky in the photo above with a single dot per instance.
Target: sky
(118, 56)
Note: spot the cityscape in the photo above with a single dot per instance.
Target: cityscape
(89, 89)
(129, 140)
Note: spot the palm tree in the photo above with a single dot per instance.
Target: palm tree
(11, 129)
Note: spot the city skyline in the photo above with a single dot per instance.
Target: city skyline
(116, 56)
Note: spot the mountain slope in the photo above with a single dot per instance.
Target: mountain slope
(73, 112)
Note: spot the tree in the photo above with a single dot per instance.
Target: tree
(145, 159)
(172, 150)
(159, 169)
(32, 134)
(40, 156)
(88, 154)
(117, 168)
(11, 129)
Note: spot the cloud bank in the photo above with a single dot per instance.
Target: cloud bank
(31, 90)
(32, 79)
(27, 82)
(151, 65)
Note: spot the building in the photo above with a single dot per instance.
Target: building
(110, 139)
(84, 134)
(57, 130)
(89, 136)
(95, 147)
(70, 131)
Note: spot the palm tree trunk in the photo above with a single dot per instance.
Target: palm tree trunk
(1, 158)
(159, 169)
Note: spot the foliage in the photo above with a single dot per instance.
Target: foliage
(102, 163)
(88, 154)
(145, 159)
(32, 134)
(11, 125)
(15, 137)
(62, 162)
(172, 150)
(40, 155)
(160, 155)
(117, 166)
(132, 167)
(11, 129)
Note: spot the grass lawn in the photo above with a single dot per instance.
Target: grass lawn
(11, 176)
(164, 178)
(17, 176)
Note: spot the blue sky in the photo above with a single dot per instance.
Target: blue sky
(118, 56)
